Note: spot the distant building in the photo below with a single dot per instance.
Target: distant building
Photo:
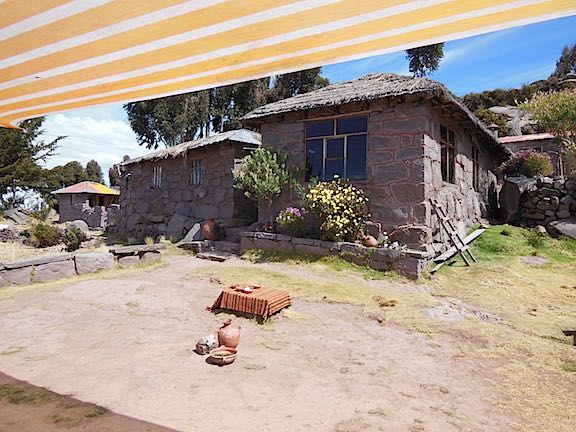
(541, 143)
(88, 201)
(167, 191)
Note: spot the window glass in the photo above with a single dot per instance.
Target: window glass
(314, 157)
(334, 167)
(320, 128)
(335, 148)
(349, 125)
(356, 157)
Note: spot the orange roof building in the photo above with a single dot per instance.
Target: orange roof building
(88, 201)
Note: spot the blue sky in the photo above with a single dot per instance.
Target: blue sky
(503, 59)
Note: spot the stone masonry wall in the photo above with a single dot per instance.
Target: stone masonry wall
(548, 200)
(463, 203)
(177, 205)
(403, 166)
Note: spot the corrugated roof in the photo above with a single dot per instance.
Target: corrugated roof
(524, 138)
(239, 135)
(87, 187)
(372, 87)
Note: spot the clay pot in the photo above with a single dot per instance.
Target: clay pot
(210, 229)
(369, 241)
(229, 334)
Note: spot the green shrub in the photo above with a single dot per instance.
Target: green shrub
(44, 235)
(527, 163)
(73, 237)
(340, 207)
(292, 221)
(536, 239)
(41, 212)
(262, 176)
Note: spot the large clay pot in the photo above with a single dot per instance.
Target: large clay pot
(210, 229)
(229, 334)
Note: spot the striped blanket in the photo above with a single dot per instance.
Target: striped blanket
(261, 301)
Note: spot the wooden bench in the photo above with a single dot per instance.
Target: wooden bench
(570, 333)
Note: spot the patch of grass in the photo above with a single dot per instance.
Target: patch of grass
(21, 394)
(569, 366)
(332, 263)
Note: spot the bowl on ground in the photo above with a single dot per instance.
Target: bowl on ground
(222, 355)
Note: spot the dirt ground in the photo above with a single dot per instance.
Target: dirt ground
(126, 343)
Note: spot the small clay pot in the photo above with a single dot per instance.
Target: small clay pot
(229, 334)
(369, 241)
(222, 360)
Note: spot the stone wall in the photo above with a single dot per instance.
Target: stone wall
(76, 206)
(410, 263)
(546, 200)
(53, 267)
(403, 166)
(177, 205)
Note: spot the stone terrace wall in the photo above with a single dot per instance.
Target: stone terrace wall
(177, 205)
(547, 200)
(410, 263)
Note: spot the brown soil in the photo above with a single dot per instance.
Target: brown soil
(127, 344)
(26, 408)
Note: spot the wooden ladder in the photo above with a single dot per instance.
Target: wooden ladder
(459, 245)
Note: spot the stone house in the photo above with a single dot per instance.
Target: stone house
(88, 201)
(403, 140)
(541, 143)
(167, 191)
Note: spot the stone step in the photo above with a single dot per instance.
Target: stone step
(232, 234)
(217, 256)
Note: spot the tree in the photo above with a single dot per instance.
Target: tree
(555, 112)
(58, 177)
(20, 154)
(262, 176)
(295, 83)
(425, 60)
(566, 64)
(94, 172)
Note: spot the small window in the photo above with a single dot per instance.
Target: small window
(197, 174)
(475, 168)
(337, 147)
(448, 154)
(156, 177)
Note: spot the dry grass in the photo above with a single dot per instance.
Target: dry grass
(535, 304)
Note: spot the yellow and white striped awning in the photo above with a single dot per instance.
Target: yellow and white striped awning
(60, 55)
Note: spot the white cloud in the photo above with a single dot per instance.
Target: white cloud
(100, 133)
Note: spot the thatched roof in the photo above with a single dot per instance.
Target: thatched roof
(372, 87)
(240, 135)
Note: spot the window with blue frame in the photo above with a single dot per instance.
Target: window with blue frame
(337, 147)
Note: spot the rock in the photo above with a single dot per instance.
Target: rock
(195, 234)
(132, 250)
(128, 260)
(17, 276)
(176, 225)
(93, 262)
(534, 261)
(53, 271)
(511, 194)
(78, 223)
(38, 261)
(150, 256)
(563, 214)
(16, 216)
(8, 233)
(545, 181)
(566, 227)
(374, 229)
(413, 236)
(541, 229)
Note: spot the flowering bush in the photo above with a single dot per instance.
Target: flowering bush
(292, 220)
(340, 207)
(528, 163)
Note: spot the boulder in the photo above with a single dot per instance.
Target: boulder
(8, 233)
(150, 256)
(128, 260)
(78, 223)
(16, 216)
(413, 236)
(53, 271)
(17, 276)
(176, 226)
(566, 227)
(93, 262)
(511, 194)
